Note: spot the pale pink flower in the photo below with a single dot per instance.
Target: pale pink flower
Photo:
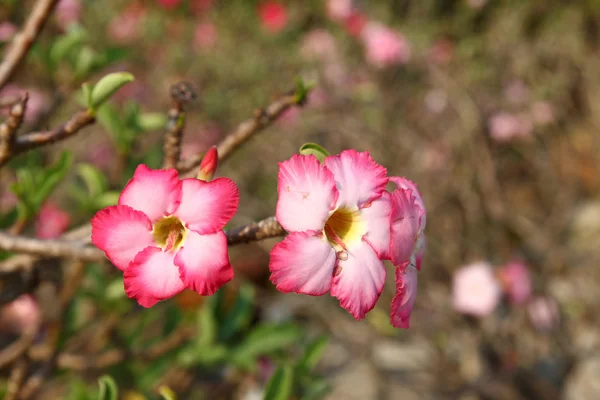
(475, 290)
(51, 221)
(404, 300)
(67, 12)
(338, 218)
(273, 16)
(516, 281)
(542, 113)
(205, 35)
(7, 31)
(384, 46)
(505, 127)
(166, 234)
(543, 313)
(20, 315)
(339, 10)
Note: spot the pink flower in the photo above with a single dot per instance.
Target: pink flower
(209, 164)
(475, 290)
(168, 4)
(355, 23)
(7, 31)
(516, 282)
(273, 16)
(125, 28)
(51, 222)
(384, 46)
(505, 127)
(339, 10)
(205, 35)
(543, 313)
(166, 234)
(338, 218)
(67, 12)
(404, 300)
(20, 315)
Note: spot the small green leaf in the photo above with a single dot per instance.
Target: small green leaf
(302, 90)
(94, 180)
(108, 388)
(281, 384)
(266, 339)
(64, 45)
(85, 61)
(315, 150)
(151, 121)
(167, 393)
(108, 85)
(87, 88)
(107, 199)
(240, 315)
(313, 353)
(207, 326)
(53, 176)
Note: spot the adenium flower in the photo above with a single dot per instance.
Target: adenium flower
(273, 16)
(384, 46)
(475, 290)
(338, 218)
(51, 221)
(516, 282)
(166, 234)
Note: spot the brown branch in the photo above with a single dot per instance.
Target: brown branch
(181, 94)
(23, 40)
(262, 118)
(265, 229)
(8, 128)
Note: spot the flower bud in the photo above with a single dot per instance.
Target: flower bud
(209, 164)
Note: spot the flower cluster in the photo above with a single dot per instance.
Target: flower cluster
(343, 223)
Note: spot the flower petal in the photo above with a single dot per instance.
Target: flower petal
(359, 280)
(152, 277)
(203, 262)
(307, 194)
(403, 183)
(302, 263)
(406, 220)
(121, 232)
(406, 293)
(377, 216)
(358, 177)
(207, 206)
(154, 192)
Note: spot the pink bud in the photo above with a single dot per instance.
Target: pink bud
(273, 16)
(51, 222)
(21, 315)
(516, 282)
(209, 164)
(475, 290)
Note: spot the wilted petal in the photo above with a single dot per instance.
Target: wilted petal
(406, 221)
(203, 262)
(358, 177)
(121, 232)
(406, 293)
(302, 263)
(307, 194)
(359, 280)
(152, 277)
(377, 217)
(154, 192)
(207, 206)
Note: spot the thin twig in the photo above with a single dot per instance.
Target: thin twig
(181, 94)
(265, 229)
(8, 129)
(262, 118)
(23, 40)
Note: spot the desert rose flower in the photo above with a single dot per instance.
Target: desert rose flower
(339, 10)
(516, 282)
(166, 234)
(338, 218)
(273, 16)
(475, 290)
(51, 222)
(404, 300)
(384, 46)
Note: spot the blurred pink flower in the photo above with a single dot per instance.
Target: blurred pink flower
(475, 290)
(542, 113)
(200, 6)
(205, 35)
(516, 282)
(7, 31)
(355, 23)
(36, 105)
(21, 315)
(289, 117)
(339, 10)
(51, 222)
(505, 127)
(168, 4)
(67, 12)
(384, 46)
(125, 28)
(319, 44)
(543, 313)
(273, 16)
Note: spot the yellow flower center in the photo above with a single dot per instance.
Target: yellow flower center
(343, 227)
(169, 233)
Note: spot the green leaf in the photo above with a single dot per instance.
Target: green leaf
(108, 388)
(240, 315)
(63, 46)
(94, 180)
(86, 58)
(53, 176)
(302, 90)
(315, 150)
(281, 384)
(106, 199)
(166, 393)
(313, 353)
(151, 121)
(108, 85)
(207, 326)
(266, 339)
(317, 389)
(87, 88)
(202, 355)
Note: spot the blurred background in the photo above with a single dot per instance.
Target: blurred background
(491, 107)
